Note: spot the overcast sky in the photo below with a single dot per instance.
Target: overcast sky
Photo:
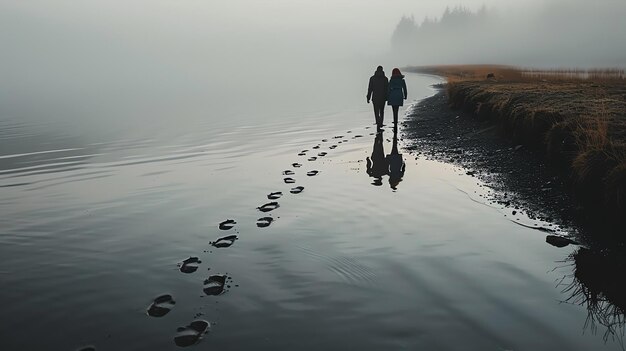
(231, 24)
(138, 52)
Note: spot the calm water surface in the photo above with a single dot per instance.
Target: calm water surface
(94, 223)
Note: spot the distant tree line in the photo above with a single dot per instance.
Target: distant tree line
(408, 33)
(552, 35)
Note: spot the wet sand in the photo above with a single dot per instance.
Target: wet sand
(574, 120)
(524, 184)
(520, 179)
(218, 250)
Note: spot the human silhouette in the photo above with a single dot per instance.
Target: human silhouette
(396, 92)
(377, 92)
(377, 165)
(395, 162)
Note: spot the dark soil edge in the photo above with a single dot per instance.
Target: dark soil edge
(521, 177)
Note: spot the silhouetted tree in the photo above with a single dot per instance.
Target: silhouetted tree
(438, 36)
(404, 33)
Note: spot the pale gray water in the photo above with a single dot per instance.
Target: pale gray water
(95, 219)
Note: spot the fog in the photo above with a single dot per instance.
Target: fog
(96, 62)
(560, 33)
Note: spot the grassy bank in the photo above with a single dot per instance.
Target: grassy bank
(576, 118)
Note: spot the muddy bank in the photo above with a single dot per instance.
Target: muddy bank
(522, 177)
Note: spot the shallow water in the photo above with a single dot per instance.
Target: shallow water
(96, 226)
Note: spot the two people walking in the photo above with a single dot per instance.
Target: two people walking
(392, 91)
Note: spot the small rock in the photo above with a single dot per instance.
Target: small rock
(559, 241)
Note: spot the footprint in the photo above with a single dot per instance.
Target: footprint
(270, 206)
(227, 224)
(288, 172)
(322, 154)
(191, 334)
(332, 147)
(348, 132)
(296, 190)
(357, 136)
(161, 306)
(214, 285)
(324, 140)
(340, 142)
(312, 173)
(304, 151)
(189, 265)
(289, 180)
(302, 154)
(316, 147)
(226, 241)
(313, 158)
(264, 222)
(338, 137)
(275, 195)
(296, 165)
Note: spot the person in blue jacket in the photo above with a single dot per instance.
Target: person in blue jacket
(396, 92)
(395, 162)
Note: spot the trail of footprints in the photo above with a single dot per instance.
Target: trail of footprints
(218, 284)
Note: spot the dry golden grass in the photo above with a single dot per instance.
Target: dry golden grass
(577, 117)
(598, 75)
(503, 73)
(458, 73)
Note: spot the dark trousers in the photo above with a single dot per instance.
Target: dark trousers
(379, 112)
(395, 114)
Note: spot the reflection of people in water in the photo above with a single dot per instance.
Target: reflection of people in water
(377, 166)
(392, 165)
(395, 162)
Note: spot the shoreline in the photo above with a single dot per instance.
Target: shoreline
(435, 131)
(522, 177)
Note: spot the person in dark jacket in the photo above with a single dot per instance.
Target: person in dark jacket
(377, 92)
(396, 92)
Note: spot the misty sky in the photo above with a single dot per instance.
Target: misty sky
(240, 26)
(67, 57)
(72, 33)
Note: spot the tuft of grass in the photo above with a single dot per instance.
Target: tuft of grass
(561, 143)
(615, 182)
